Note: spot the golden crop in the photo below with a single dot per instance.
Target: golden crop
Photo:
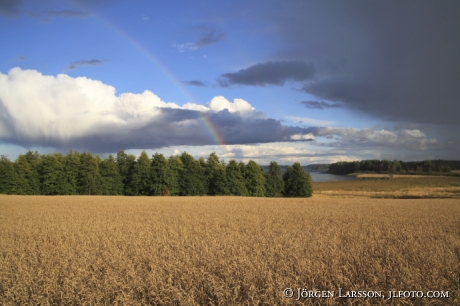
(96, 250)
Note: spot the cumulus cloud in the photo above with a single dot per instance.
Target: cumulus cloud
(10, 8)
(92, 62)
(195, 83)
(81, 113)
(269, 73)
(206, 38)
(320, 105)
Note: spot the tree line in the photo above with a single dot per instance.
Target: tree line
(87, 174)
(395, 166)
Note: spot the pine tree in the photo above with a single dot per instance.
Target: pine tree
(297, 182)
(235, 180)
(34, 160)
(140, 183)
(159, 169)
(23, 175)
(192, 177)
(89, 178)
(126, 164)
(111, 178)
(8, 178)
(255, 179)
(216, 178)
(274, 184)
(71, 168)
(52, 175)
(175, 168)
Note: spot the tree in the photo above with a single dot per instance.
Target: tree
(297, 182)
(8, 178)
(255, 179)
(89, 178)
(52, 175)
(427, 166)
(110, 177)
(175, 168)
(34, 160)
(274, 184)
(235, 180)
(71, 168)
(192, 177)
(23, 175)
(159, 173)
(140, 183)
(125, 164)
(215, 174)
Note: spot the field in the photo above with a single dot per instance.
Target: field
(94, 250)
(398, 187)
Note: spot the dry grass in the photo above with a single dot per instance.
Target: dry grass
(224, 250)
(387, 176)
(406, 187)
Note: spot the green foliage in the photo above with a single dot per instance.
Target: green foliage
(274, 184)
(159, 174)
(111, 182)
(297, 182)
(192, 180)
(71, 168)
(235, 180)
(23, 174)
(85, 174)
(175, 168)
(139, 179)
(34, 160)
(8, 177)
(255, 179)
(52, 175)
(215, 176)
(89, 179)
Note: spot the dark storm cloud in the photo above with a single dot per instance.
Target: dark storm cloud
(269, 73)
(195, 83)
(92, 62)
(10, 8)
(174, 127)
(397, 60)
(319, 105)
(206, 38)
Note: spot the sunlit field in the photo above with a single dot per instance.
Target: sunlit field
(96, 250)
(399, 187)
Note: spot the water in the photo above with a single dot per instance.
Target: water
(318, 176)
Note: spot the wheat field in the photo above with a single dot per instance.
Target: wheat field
(95, 250)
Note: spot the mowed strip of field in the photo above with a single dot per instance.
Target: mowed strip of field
(426, 187)
(96, 250)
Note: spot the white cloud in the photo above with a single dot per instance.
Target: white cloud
(308, 136)
(185, 47)
(62, 111)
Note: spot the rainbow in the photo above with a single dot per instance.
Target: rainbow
(154, 60)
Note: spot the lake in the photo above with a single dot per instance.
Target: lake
(318, 176)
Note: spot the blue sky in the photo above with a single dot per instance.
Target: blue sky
(308, 81)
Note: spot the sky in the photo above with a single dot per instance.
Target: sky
(286, 81)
